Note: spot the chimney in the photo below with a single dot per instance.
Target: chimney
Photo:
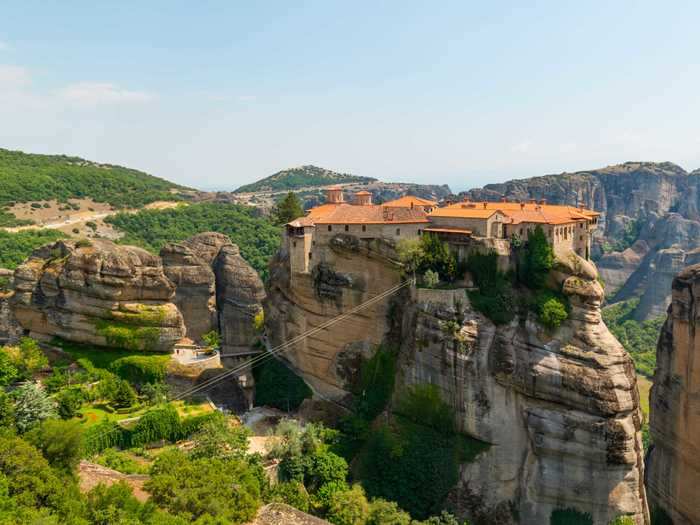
(485, 204)
(543, 202)
(504, 199)
(522, 205)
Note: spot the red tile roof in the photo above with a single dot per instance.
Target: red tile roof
(343, 213)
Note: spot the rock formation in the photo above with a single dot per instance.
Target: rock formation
(351, 273)
(215, 288)
(673, 477)
(656, 204)
(97, 292)
(560, 411)
(239, 296)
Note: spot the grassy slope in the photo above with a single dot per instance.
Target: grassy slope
(26, 177)
(257, 238)
(301, 177)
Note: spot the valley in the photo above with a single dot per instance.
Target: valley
(396, 352)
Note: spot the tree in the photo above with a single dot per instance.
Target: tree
(553, 313)
(431, 279)
(437, 257)
(32, 406)
(382, 512)
(538, 259)
(288, 209)
(219, 438)
(8, 371)
(33, 358)
(60, 442)
(410, 252)
(7, 410)
(348, 507)
(221, 491)
(292, 493)
(212, 339)
(69, 402)
(124, 394)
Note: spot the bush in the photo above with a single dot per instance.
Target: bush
(292, 493)
(278, 386)
(8, 370)
(495, 296)
(382, 512)
(61, 442)
(622, 520)
(140, 369)
(430, 279)
(155, 425)
(348, 507)
(551, 308)
(69, 401)
(120, 461)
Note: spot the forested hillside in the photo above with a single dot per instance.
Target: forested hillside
(301, 177)
(257, 238)
(16, 247)
(28, 177)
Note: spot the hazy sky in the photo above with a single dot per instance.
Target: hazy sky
(217, 94)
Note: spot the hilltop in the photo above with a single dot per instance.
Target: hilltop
(301, 177)
(29, 177)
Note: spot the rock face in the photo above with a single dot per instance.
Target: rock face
(349, 273)
(656, 204)
(98, 293)
(239, 296)
(559, 410)
(215, 288)
(673, 478)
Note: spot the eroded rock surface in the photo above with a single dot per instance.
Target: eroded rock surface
(561, 411)
(673, 479)
(97, 292)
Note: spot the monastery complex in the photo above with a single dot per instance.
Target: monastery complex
(461, 224)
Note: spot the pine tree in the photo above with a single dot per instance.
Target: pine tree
(288, 209)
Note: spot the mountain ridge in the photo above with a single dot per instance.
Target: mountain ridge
(299, 177)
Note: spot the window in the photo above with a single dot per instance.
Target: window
(310, 255)
(347, 228)
(521, 232)
(364, 228)
(580, 225)
(330, 228)
(580, 237)
(398, 231)
(294, 244)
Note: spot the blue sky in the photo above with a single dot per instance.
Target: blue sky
(217, 94)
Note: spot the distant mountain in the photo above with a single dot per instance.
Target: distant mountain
(302, 177)
(26, 177)
(649, 230)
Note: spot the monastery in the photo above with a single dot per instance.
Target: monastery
(459, 224)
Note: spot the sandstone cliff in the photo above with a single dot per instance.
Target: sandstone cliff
(215, 288)
(560, 411)
(654, 203)
(673, 478)
(97, 292)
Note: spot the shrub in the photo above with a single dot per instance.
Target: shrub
(140, 369)
(622, 520)
(430, 279)
(495, 296)
(553, 313)
(8, 370)
(212, 339)
(155, 425)
(120, 461)
(69, 401)
(61, 442)
(292, 493)
(83, 243)
(382, 512)
(348, 507)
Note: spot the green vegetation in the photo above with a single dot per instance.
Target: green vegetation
(28, 177)
(638, 338)
(304, 176)
(288, 209)
(276, 385)
(428, 253)
(495, 297)
(16, 247)
(120, 461)
(569, 517)
(128, 336)
(414, 460)
(257, 238)
(550, 308)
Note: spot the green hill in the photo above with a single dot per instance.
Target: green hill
(302, 177)
(26, 177)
